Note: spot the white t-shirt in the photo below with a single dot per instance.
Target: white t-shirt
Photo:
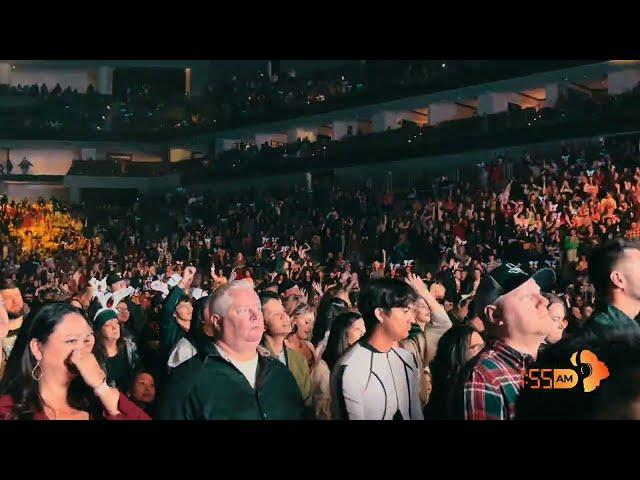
(248, 368)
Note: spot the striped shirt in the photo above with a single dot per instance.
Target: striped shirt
(492, 389)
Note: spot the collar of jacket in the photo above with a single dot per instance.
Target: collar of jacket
(616, 317)
(208, 350)
(264, 345)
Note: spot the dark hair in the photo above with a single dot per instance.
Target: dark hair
(18, 381)
(602, 262)
(328, 309)
(149, 408)
(384, 293)
(7, 283)
(267, 296)
(136, 374)
(338, 342)
(184, 298)
(553, 298)
(99, 349)
(196, 333)
(446, 369)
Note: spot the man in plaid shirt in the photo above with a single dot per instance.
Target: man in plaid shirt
(515, 313)
(633, 233)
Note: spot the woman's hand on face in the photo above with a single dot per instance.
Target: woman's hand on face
(88, 367)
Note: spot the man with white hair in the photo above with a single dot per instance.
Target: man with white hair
(232, 377)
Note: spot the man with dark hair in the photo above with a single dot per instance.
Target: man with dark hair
(515, 313)
(277, 327)
(375, 379)
(614, 268)
(16, 309)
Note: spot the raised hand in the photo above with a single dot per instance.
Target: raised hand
(188, 275)
(316, 286)
(418, 285)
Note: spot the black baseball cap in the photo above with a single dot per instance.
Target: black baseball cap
(113, 278)
(504, 279)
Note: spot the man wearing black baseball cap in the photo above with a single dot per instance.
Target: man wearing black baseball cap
(515, 314)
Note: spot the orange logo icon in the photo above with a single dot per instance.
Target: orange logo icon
(593, 369)
(588, 367)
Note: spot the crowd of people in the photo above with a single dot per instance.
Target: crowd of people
(242, 99)
(332, 303)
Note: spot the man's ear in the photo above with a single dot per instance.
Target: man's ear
(617, 279)
(215, 321)
(491, 312)
(379, 313)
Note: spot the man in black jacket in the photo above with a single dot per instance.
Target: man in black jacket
(232, 377)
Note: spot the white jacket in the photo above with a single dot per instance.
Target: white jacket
(371, 385)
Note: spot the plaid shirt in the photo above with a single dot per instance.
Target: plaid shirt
(633, 234)
(492, 389)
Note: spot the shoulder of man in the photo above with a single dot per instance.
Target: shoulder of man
(485, 370)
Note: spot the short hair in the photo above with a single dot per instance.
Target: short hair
(220, 301)
(603, 261)
(184, 298)
(266, 297)
(385, 293)
(7, 283)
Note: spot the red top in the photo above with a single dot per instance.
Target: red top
(128, 410)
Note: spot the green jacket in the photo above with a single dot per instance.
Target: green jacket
(299, 368)
(611, 319)
(208, 387)
(170, 330)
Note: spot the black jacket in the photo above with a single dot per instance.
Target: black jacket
(208, 387)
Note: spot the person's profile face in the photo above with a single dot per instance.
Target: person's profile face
(524, 310)
(476, 344)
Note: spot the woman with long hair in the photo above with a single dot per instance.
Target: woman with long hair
(115, 352)
(53, 374)
(328, 309)
(347, 329)
(456, 347)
